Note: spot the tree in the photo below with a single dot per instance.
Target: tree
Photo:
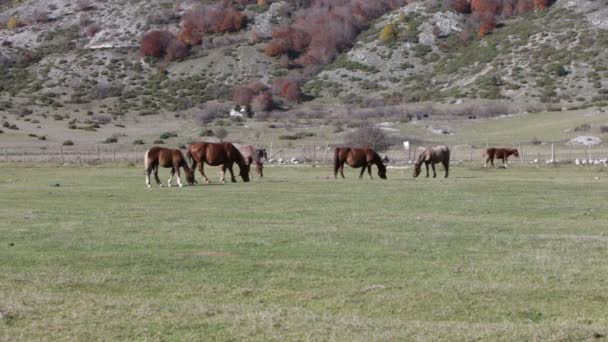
(243, 95)
(262, 102)
(161, 44)
(367, 137)
(220, 133)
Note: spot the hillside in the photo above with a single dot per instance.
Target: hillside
(68, 68)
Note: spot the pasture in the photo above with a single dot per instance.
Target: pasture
(516, 254)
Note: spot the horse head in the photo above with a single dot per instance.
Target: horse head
(261, 153)
(516, 153)
(417, 168)
(244, 172)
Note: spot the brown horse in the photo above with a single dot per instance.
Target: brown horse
(216, 154)
(433, 155)
(253, 155)
(499, 153)
(356, 158)
(166, 157)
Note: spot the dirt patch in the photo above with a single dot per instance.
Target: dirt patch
(213, 254)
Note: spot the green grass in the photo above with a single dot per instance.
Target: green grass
(516, 254)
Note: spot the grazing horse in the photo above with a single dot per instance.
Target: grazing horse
(216, 154)
(166, 157)
(356, 158)
(499, 153)
(433, 155)
(253, 155)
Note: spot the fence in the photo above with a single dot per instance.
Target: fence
(314, 153)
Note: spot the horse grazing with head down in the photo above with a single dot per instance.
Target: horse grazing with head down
(432, 155)
(356, 158)
(218, 154)
(166, 157)
(499, 153)
(253, 155)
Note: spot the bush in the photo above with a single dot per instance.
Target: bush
(168, 135)
(161, 44)
(211, 111)
(367, 137)
(287, 89)
(604, 129)
(12, 23)
(68, 143)
(220, 133)
(262, 102)
(388, 33)
(243, 95)
(202, 20)
(159, 142)
(138, 142)
(110, 140)
(206, 133)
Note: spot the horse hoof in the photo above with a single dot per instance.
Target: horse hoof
(149, 186)
(181, 186)
(169, 185)
(160, 185)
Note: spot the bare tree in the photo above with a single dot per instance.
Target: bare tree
(367, 137)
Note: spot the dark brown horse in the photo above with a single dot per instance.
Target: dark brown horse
(218, 154)
(166, 157)
(253, 155)
(432, 155)
(356, 158)
(499, 153)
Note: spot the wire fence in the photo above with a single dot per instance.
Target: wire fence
(314, 153)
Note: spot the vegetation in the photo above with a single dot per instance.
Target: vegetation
(465, 258)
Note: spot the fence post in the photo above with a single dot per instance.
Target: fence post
(23, 156)
(6, 154)
(98, 155)
(135, 153)
(314, 154)
(552, 152)
(114, 154)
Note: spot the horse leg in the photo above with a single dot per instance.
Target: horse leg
(158, 182)
(342, 171)
(492, 161)
(485, 164)
(202, 171)
(446, 166)
(362, 171)
(171, 176)
(148, 172)
(369, 171)
(232, 179)
(434, 173)
(179, 181)
(504, 161)
(223, 174)
(427, 169)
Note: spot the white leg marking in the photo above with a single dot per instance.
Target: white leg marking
(148, 181)
(179, 182)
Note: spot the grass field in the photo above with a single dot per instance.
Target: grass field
(516, 254)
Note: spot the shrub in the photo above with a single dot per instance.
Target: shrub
(209, 19)
(12, 23)
(262, 102)
(162, 44)
(168, 135)
(460, 6)
(583, 128)
(68, 143)
(206, 133)
(211, 111)
(388, 33)
(92, 29)
(220, 133)
(138, 142)
(367, 137)
(110, 140)
(159, 142)
(604, 129)
(287, 89)
(243, 95)
(101, 119)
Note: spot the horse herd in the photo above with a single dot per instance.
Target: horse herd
(225, 155)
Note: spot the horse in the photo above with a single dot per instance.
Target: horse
(218, 154)
(356, 158)
(433, 155)
(499, 153)
(166, 157)
(253, 155)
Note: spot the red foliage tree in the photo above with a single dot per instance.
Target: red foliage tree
(542, 4)
(262, 102)
(209, 19)
(524, 6)
(243, 95)
(162, 44)
(460, 6)
(155, 43)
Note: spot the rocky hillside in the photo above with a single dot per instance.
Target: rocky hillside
(58, 55)
(558, 57)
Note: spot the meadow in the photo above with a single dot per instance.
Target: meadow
(89, 253)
